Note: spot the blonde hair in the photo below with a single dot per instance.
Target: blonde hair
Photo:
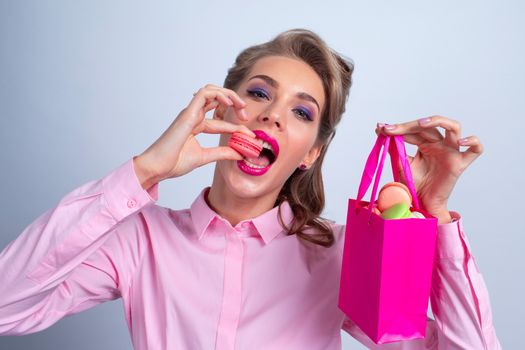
(304, 189)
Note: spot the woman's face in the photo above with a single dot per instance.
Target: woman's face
(284, 98)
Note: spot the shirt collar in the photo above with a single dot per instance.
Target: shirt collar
(267, 224)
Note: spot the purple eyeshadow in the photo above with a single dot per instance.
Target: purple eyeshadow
(304, 109)
(307, 111)
(258, 89)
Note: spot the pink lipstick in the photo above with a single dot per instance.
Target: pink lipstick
(250, 168)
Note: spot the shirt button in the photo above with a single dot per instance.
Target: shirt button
(245, 224)
(132, 203)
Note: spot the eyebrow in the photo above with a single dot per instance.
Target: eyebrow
(273, 83)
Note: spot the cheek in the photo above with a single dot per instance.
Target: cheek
(296, 154)
(296, 150)
(302, 138)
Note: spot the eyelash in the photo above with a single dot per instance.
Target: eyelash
(304, 115)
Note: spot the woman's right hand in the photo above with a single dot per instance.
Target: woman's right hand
(177, 151)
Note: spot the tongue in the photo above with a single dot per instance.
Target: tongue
(261, 160)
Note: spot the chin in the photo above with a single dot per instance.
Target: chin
(241, 184)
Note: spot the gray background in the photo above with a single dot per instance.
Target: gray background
(86, 85)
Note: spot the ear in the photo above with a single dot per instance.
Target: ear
(312, 154)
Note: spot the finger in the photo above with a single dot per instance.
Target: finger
(219, 153)
(207, 95)
(214, 104)
(208, 99)
(452, 128)
(229, 99)
(218, 126)
(220, 96)
(432, 135)
(474, 150)
(210, 106)
(237, 100)
(233, 96)
(241, 113)
(239, 104)
(414, 139)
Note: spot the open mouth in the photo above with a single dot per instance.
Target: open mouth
(267, 151)
(264, 160)
(267, 156)
(270, 147)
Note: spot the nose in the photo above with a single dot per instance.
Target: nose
(272, 116)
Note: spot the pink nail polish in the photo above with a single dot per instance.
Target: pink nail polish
(424, 121)
(463, 141)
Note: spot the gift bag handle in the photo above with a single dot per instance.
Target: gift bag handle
(397, 151)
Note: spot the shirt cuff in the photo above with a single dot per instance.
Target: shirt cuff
(451, 240)
(123, 192)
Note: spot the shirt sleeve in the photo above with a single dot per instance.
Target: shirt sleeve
(74, 255)
(459, 299)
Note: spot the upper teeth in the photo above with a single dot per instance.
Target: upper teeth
(267, 145)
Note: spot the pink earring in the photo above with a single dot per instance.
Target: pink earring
(302, 167)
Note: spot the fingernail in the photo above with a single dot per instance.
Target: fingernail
(424, 121)
(390, 126)
(463, 141)
(380, 125)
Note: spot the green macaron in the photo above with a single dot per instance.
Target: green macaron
(397, 211)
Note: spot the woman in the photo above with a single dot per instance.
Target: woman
(251, 265)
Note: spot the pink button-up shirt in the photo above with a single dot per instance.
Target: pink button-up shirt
(189, 280)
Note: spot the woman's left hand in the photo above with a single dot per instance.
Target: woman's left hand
(438, 162)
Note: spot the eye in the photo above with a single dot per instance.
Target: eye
(304, 114)
(258, 93)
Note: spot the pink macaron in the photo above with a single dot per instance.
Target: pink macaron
(393, 193)
(245, 145)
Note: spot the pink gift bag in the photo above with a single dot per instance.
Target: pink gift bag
(387, 263)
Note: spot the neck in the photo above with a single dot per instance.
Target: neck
(234, 208)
